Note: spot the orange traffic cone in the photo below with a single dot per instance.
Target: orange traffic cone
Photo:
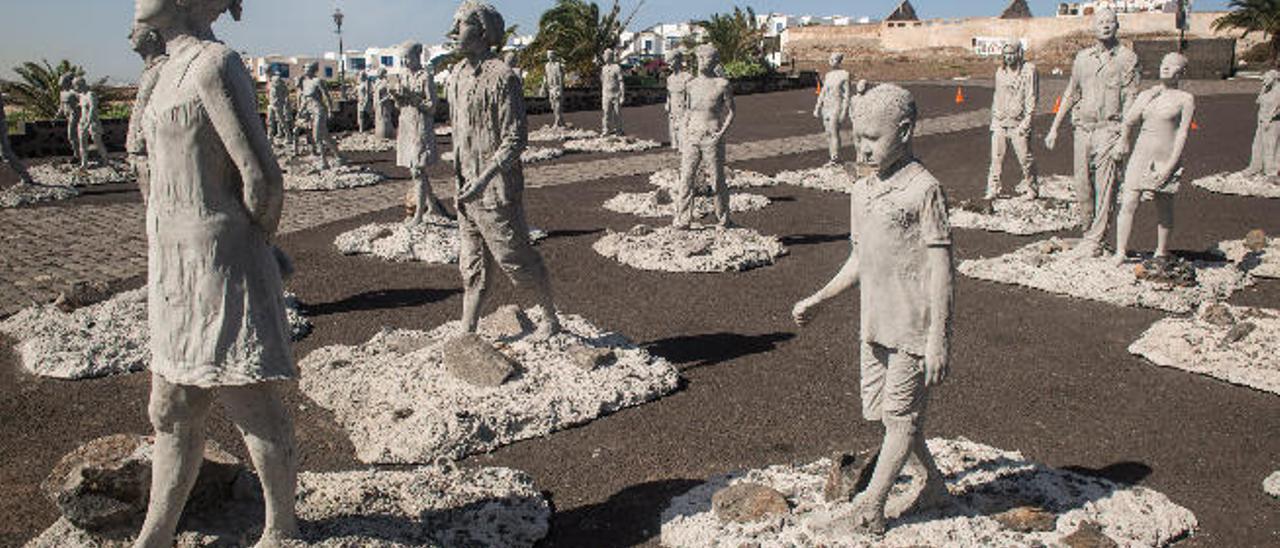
(1194, 125)
(819, 90)
(1057, 105)
(959, 95)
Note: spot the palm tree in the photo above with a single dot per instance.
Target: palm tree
(579, 33)
(1254, 16)
(37, 90)
(736, 36)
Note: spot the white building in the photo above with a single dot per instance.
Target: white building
(1084, 9)
(290, 67)
(657, 40)
(775, 26)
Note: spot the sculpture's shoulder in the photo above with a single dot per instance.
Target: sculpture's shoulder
(1029, 69)
(1126, 56)
(216, 63)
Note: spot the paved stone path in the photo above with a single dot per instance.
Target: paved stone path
(45, 249)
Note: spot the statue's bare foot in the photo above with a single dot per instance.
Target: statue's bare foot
(547, 328)
(1084, 249)
(867, 519)
(934, 496)
(726, 225)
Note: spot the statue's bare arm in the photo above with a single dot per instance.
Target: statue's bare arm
(730, 109)
(1165, 169)
(1070, 97)
(227, 92)
(941, 288)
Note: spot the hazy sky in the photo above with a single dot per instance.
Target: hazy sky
(93, 32)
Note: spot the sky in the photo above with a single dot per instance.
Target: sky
(93, 33)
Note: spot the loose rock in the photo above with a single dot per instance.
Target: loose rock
(848, 471)
(748, 502)
(507, 322)
(1089, 535)
(1217, 314)
(589, 358)
(1027, 519)
(472, 359)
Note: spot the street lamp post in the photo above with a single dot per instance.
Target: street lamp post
(342, 56)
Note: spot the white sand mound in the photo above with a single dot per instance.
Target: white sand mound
(1234, 183)
(365, 142)
(69, 174)
(436, 506)
(658, 203)
(1228, 349)
(610, 144)
(700, 249)
(831, 178)
(533, 155)
(107, 338)
(27, 194)
(435, 241)
(551, 133)
(1057, 187)
(669, 178)
(303, 175)
(399, 404)
(1019, 216)
(1261, 264)
(984, 481)
(1271, 485)
(1046, 266)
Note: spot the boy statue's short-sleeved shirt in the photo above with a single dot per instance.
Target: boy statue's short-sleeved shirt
(892, 224)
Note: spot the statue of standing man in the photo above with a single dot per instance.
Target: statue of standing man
(710, 114)
(612, 94)
(384, 107)
(279, 120)
(69, 109)
(490, 132)
(833, 104)
(677, 96)
(1012, 108)
(1266, 138)
(1104, 81)
(90, 128)
(364, 101)
(553, 86)
(314, 104)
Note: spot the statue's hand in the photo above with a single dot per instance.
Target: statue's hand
(804, 311)
(1051, 139)
(936, 362)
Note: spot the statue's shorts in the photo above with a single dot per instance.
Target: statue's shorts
(893, 388)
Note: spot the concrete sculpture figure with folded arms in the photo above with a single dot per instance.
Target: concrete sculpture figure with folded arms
(901, 257)
(490, 132)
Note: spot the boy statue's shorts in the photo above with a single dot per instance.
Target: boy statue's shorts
(892, 385)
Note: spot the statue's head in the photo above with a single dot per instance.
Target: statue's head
(884, 123)
(1012, 54)
(310, 70)
(836, 59)
(708, 59)
(1173, 66)
(146, 40)
(478, 27)
(168, 13)
(674, 58)
(511, 58)
(67, 81)
(1106, 25)
(552, 56)
(80, 84)
(861, 87)
(382, 73)
(610, 56)
(411, 53)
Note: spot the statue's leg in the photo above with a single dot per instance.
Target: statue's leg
(832, 124)
(474, 263)
(719, 183)
(1106, 175)
(1082, 185)
(264, 421)
(1124, 223)
(82, 138)
(1269, 162)
(999, 144)
(178, 414)
(506, 236)
(100, 144)
(73, 137)
(1022, 149)
(1258, 152)
(690, 157)
(1164, 228)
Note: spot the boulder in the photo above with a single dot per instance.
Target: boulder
(640, 230)
(473, 360)
(748, 502)
(1167, 271)
(1089, 535)
(80, 294)
(1255, 240)
(106, 483)
(1027, 519)
(1218, 314)
(588, 358)
(1238, 332)
(508, 321)
(848, 473)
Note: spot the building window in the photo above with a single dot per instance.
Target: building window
(356, 63)
(388, 61)
(328, 72)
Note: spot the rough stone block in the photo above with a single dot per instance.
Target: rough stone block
(748, 502)
(475, 361)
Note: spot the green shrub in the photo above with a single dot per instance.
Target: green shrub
(744, 69)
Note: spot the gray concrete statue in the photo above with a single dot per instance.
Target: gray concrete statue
(855, 101)
(90, 129)
(279, 114)
(364, 101)
(553, 86)
(384, 105)
(1104, 81)
(612, 94)
(7, 156)
(216, 307)
(1155, 167)
(415, 94)
(833, 104)
(490, 132)
(1264, 160)
(677, 96)
(149, 44)
(1013, 107)
(69, 109)
(902, 259)
(314, 107)
(710, 113)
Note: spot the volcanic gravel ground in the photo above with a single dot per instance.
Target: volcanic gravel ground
(1037, 373)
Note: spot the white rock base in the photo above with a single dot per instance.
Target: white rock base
(68, 174)
(531, 155)
(365, 142)
(1047, 266)
(610, 144)
(436, 506)
(27, 194)
(658, 203)
(302, 173)
(107, 338)
(1271, 485)
(1234, 183)
(699, 249)
(399, 404)
(565, 133)
(831, 178)
(1019, 216)
(1195, 345)
(983, 480)
(1261, 264)
(434, 240)
(737, 178)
